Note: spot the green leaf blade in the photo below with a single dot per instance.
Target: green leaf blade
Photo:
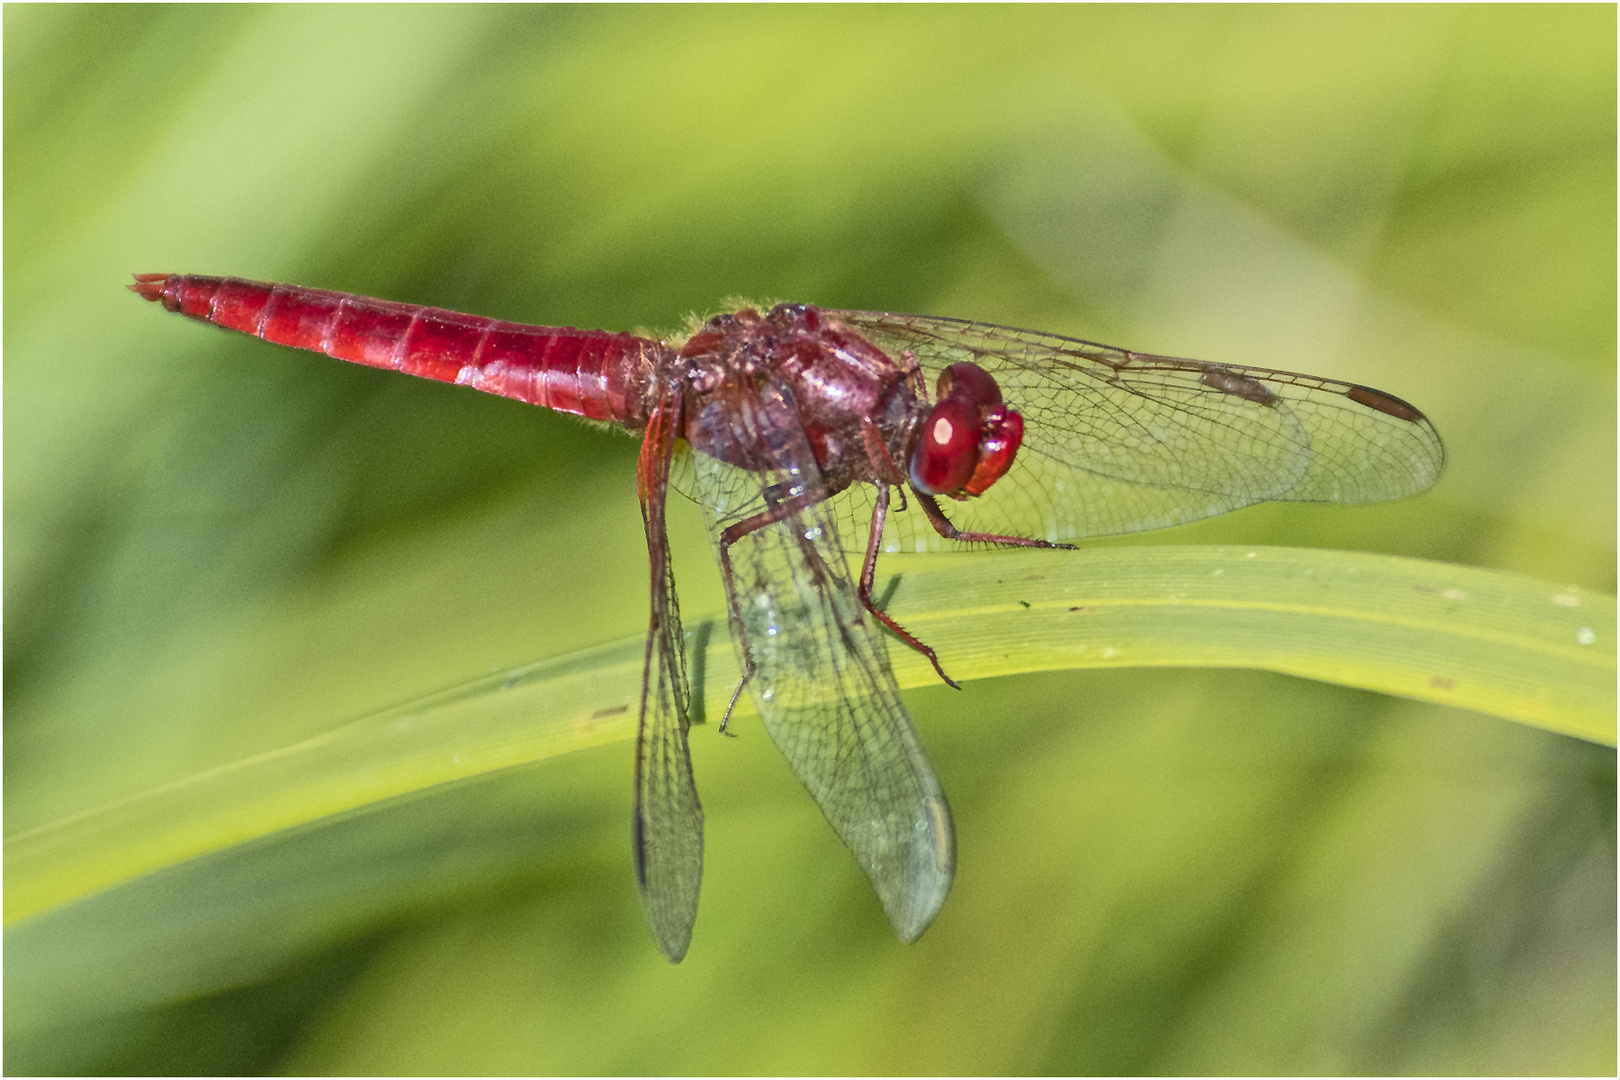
(1496, 643)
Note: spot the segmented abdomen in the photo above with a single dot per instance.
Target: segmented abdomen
(590, 373)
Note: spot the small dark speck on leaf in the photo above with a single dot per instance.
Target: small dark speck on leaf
(615, 711)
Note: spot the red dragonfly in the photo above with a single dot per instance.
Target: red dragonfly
(806, 424)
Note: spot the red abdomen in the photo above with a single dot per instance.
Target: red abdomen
(590, 373)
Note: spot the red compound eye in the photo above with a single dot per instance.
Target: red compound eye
(970, 438)
(969, 383)
(1001, 435)
(948, 450)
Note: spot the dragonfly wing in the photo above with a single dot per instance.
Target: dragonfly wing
(668, 820)
(1120, 442)
(820, 676)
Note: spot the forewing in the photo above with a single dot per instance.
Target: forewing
(668, 820)
(820, 679)
(1120, 442)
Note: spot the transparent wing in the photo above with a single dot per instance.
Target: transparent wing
(820, 677)
(668, 820)
(1120, 442)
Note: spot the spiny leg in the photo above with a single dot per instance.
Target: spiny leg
(880, 512)
(943, 526)
(877, 451)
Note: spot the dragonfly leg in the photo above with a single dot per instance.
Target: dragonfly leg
(726, 540)
(943, 526)
(880, 512)
(877, 451)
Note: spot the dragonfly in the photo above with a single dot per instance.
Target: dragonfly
(810, 436)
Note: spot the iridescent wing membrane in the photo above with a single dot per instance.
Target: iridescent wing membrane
(820, 676)
(667, 822)
(1121, 442)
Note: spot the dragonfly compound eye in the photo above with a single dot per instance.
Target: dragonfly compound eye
(1000, 436)
(970, 383)
(969, 439)
(947, 452)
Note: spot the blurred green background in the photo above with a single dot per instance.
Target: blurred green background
(215, 548)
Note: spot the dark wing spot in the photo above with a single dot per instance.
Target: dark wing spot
(1384, 403)
(639, 842)
(1230, 382)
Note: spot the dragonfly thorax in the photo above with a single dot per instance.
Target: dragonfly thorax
(756, 381)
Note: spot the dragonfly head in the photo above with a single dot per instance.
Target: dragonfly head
(969, 438)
